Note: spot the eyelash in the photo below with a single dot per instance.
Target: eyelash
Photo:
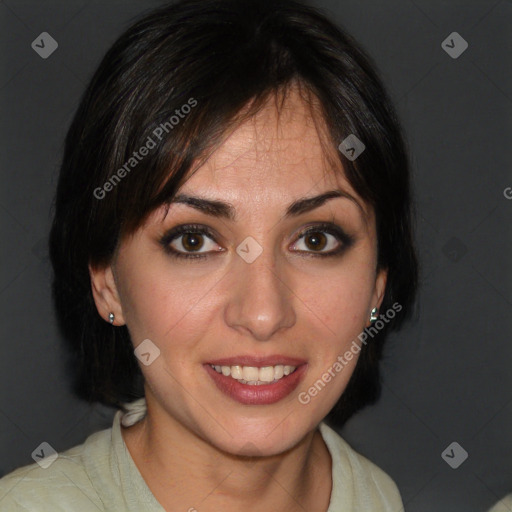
(343, 238)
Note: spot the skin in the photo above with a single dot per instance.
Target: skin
(192, 447)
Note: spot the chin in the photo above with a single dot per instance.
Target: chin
(260, 438)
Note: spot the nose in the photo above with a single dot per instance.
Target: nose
(260, 300)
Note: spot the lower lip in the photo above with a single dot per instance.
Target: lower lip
(263, 394)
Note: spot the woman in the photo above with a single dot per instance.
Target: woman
(232, 242)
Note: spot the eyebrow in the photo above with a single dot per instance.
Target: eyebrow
(221, 209)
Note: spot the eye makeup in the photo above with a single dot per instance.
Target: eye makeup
(195, 233)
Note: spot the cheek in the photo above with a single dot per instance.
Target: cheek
(336, 309)
(340, 300)
(161, 304)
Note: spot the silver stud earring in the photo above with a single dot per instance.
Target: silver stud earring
(111, 318)
(373, 315)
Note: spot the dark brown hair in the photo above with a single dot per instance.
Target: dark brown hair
(221, 58)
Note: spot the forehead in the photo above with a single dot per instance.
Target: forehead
(281, 152)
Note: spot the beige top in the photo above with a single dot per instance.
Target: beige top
(100, 475)
(504, 505)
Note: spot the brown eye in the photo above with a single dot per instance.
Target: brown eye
(316, 241)
(323, 240)
(192, 241)
(320, 242)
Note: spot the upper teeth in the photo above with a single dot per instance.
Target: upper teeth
(253, 374)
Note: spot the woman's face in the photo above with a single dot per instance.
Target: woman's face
(256, 294)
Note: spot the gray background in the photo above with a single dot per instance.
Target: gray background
(447, 376)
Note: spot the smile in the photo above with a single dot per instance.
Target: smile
(257, 381)
(254, 376)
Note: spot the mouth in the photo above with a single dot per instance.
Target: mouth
(254, 381)
(255, 376)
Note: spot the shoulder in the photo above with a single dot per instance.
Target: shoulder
(370, 485)
(60, 485)
(504, 505)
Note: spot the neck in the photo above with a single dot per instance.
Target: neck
(185, 472)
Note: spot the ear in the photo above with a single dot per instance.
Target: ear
(106, 296)
(380, 288)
